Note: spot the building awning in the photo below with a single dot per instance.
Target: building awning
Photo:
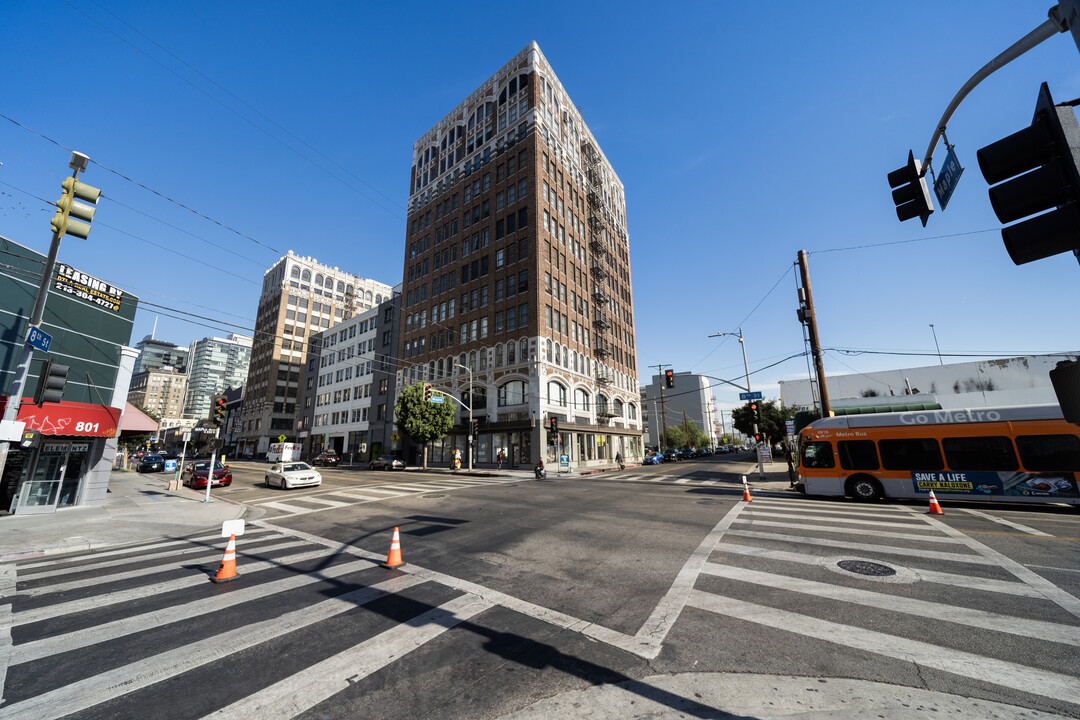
(136, 421)
(69, 418)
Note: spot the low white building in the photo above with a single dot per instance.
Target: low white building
(1008, 381)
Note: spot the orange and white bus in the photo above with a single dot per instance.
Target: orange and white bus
(1015, 454)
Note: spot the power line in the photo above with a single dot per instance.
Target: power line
(902, 242)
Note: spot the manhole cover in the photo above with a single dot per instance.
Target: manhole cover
(434, 496)
(865, 567)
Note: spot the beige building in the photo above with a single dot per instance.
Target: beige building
(300, 297)
(159, 392)
(517, 297)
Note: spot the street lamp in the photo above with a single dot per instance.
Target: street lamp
(936, 344)
(468, 429)
(746, 366)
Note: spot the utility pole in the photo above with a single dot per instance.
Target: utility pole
(807, 316)
(746, 366)
(663, 411)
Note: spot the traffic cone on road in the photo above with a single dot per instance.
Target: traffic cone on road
(935, 507)
(393, 558)
(746, 491)
(227, 571)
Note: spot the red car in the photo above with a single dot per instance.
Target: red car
(194, 475)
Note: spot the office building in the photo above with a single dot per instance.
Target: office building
(159, 392)
(517, 294)
(158, 354)
(214, 365)
(691, 401)
(300, 297)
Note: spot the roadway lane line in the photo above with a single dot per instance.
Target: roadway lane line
(866, 547)
(87, 637)
(1048, 589)
(152, 570)
(120, 681)
(196, 578)
(1003, 521)
(1006, 587)
(309, 687)
(956, 662)
(1010, 624)
(848, 531)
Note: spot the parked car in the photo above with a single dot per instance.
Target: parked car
(327, 459)
(386, 462)
(652, 458)
(151, 463)
(672, 456)
(292, 474)
(195, 474)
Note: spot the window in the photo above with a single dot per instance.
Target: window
(513, 392)
(556, 394)
(857, 454)
(910, 454)
(817, 455)
(979, 453)
(1049, 452)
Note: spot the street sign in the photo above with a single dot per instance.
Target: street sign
(281, 438)
(947, 178)
(750, 396)
(437, 399)
(38, 338)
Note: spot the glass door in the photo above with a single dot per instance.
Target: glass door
(74, 469)
(40, 494)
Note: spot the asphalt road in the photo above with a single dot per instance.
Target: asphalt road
(517, 591)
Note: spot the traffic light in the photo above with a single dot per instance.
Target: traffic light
(553, 423)
(910, 193)
(669, 378)
(51, 381)
(757, 437)
(66, 206)
(475, 427)
(217, 409)
(755, 415)
(427, 393)
(1033, 170)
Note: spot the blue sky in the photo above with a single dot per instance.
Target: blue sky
(742, 132)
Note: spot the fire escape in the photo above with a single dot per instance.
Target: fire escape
(598, 227)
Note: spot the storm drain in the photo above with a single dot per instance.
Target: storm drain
(865, 567)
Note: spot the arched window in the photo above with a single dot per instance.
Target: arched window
(478, 399)
(550, 352)
(349, 290)
(618, 407)
(306, 276)
(498, 355)
(483, 359)
(378, 299)
(295, 274)
(367, 296)
(472, 361)
(558, 354)
(462, 364)
(329, 283)
(581, 400)
(440, 368)
(510, 353)
(631, 411)
(524, 351)
(514, 392)
(431, 370)
(556, 394)
(340, 286)
(318, 279)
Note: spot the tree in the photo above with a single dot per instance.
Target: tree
(774, 417)
(423, 421)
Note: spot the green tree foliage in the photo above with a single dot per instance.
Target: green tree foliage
(423, 422)
(685, 435)
(675, 437)
(773, 419)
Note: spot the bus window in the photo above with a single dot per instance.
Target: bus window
(817, 455)
(857, 454)
(1049, 452)
(910, 454)
(979, 453)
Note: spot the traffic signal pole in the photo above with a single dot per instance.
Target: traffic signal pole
(18, 384)
(663, 415)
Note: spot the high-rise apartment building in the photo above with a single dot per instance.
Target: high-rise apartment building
(300, 297)
(160, 392)
(158, 354)
(214, 365)
(517, 296)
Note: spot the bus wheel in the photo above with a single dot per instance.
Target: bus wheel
(864, 489)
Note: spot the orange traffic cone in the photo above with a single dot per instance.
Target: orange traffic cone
(746, 491)
(393, 558)
(935, 507)
(227, 571)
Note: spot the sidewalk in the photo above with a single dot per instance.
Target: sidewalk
(138, 507)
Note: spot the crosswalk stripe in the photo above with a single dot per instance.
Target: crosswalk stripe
(126, 549)
(120, 681)
(841, 530)
(382, 490)
(357, 495)
(849, 521)
(142, 572)
(324, 501)
(128, 557)
(862, 508)
(52, 645)
(25, 617)
(311, 686)
(1006, 587)
(682, 481)
(866, 547)
(956, 662)
(1024, 627)
(819, 510)
(288, 508)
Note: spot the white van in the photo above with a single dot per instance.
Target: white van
(283, 452)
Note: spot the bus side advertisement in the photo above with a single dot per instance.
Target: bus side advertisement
(1016, 484)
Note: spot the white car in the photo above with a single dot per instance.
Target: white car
(292, 474)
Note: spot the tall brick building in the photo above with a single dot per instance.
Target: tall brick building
(517, 270)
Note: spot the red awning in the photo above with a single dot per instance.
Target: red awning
(70, 418)
(136, 421)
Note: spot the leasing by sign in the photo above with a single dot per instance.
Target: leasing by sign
(87, 287)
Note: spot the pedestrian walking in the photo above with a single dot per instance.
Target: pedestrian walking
(500, 459)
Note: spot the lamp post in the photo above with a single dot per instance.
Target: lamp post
(469, 429)
(942, 362)
(746, 366)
